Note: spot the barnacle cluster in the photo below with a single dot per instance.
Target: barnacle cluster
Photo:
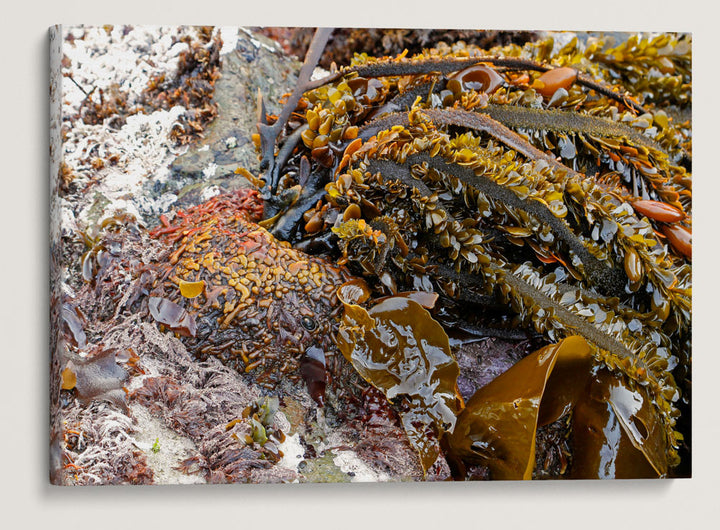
(553, 179)
(239, 294)
(192, 87)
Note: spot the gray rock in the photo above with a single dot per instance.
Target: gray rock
(255, 64)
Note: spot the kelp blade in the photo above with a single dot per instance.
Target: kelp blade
(617, 433)
(498, 426)
(400, 349)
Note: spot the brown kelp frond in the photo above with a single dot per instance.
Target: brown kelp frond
(398, 348)
(498, 427)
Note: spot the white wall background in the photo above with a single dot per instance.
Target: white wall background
(26, 499)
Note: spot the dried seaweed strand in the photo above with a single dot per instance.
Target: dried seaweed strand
(284, 154)
(270, 133)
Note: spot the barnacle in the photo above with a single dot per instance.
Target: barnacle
(554, 181)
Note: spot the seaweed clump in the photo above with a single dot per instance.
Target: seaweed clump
(240, 295)
(192, 86)
(526, 177)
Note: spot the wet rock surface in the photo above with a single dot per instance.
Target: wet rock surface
(256, 64)
(481, 362)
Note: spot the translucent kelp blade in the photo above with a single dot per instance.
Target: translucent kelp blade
(567, 384)
(96, 377)
(400, 349)
(617, 432)
(498, 426)
(172, 315)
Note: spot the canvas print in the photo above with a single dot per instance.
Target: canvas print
(291, 255)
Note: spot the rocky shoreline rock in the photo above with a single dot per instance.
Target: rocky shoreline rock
(175, 426)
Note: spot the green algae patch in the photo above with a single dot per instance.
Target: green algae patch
(323, 469)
